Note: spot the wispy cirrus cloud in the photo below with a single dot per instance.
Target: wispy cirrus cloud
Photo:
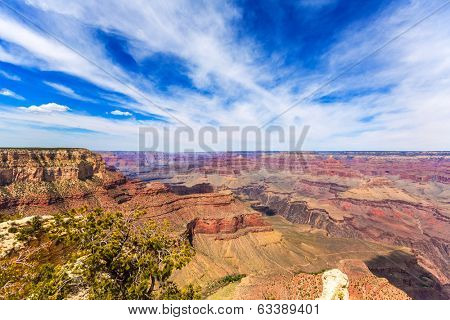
(8, 93)
(9, 76)
(66, 91)
(231, 78)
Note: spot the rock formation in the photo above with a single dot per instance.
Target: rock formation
(49, 165)
(335, 285)
(8, 234)
(36, 181)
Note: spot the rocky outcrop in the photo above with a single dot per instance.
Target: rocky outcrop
(9, 235)
(335, 285)
(227, 225)
(36, 181)
(184, 190)
(224, 227)
(196, 210)
(49, 165)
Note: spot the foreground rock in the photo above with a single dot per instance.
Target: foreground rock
(335, 285)
(9, 240)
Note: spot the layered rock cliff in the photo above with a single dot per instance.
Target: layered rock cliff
(42, 180)
(47, 165)
(196, 210)
(387, 221)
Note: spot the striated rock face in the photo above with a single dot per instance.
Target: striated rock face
(298, 211)
(412, 166)
(422, 228)
(228, 225)
(205, 212)
(224, 227)
(36, 181)
(39, 181)
(41, 165)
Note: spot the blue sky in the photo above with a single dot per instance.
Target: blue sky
(83, 74)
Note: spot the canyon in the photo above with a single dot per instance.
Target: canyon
(395, 198)
(280, 220)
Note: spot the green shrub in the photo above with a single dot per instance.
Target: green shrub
(222, 282)
(13, 229)
(231, 278)
(105, 255)
(33, 228)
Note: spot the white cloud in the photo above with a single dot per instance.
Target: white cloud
(9, 76)
(67, 91)
(34, 49)
(46, 108)
(121, 113)
(204, 42)
(21, 128)
(9, 93)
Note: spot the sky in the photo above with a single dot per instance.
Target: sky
(362, 75)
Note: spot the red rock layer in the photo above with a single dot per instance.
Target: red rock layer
(414, 166)
(227, 225)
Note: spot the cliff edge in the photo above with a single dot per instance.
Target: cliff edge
(36, 181)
